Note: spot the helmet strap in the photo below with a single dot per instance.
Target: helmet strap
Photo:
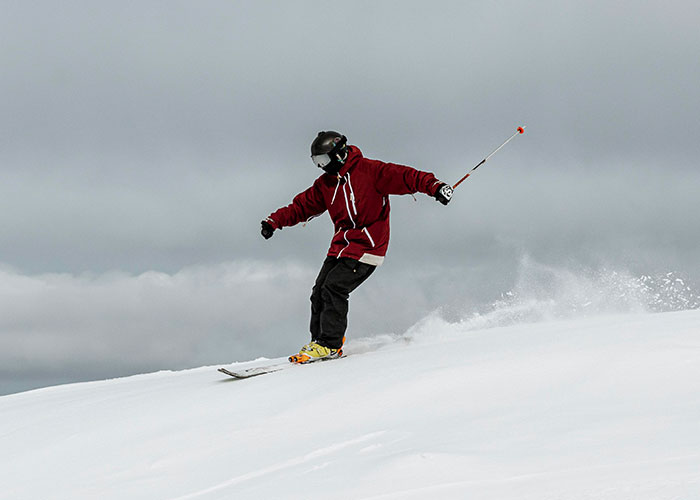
(341, 160)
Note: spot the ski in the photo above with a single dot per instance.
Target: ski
(263, 370)
(254, 372)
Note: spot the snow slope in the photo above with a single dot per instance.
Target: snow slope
(604, 408)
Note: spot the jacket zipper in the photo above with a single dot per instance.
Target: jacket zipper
(347, 207)
(336, 190)
(352, 195)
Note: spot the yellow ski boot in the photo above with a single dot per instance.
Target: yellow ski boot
(313, 351)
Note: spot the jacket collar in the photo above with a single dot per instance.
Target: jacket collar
(354, 157)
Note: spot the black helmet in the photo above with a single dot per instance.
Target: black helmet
(329, 151)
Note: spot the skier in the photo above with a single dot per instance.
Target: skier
(355, 190)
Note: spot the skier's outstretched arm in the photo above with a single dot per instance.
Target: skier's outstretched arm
(304, 206)
(400, 179)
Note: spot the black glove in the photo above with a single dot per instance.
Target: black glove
(266, 230)
(444, 193)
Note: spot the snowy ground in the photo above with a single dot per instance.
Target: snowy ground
(604, 408)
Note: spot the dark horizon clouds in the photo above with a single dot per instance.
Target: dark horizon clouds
(152, 137)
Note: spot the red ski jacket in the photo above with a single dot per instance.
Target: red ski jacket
(357, 199)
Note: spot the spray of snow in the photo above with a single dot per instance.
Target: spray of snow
(545, 293)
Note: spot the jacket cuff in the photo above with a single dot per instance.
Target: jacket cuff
(435, 187)
(273, 223)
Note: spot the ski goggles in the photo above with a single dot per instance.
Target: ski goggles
(321, 160)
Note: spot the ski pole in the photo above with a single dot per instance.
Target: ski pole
(520, 130)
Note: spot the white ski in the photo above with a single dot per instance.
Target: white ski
(262, 370)
(254, 372)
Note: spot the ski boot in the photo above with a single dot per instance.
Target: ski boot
(313, 351)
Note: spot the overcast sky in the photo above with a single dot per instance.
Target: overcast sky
(141, 143)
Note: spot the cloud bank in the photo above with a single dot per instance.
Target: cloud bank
(62, 327)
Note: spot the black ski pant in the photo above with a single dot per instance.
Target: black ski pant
(329, 298)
